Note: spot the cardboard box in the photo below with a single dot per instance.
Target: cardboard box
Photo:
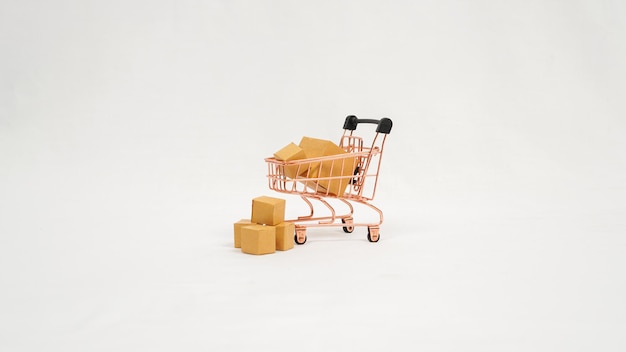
(340, 167)
(237, 229)
(315, 147)
(258, 239)
(291, 152)
(268, 210)
(284, 236)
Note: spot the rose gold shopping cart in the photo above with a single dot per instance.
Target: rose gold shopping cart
(350, 177)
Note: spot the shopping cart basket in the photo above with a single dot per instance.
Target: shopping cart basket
(350, 178)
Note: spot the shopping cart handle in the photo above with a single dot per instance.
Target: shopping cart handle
(384, 124)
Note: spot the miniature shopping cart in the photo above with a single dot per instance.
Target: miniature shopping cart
(349, 177)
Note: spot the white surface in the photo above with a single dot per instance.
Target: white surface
(132, 136)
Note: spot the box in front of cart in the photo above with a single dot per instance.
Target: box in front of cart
(258, 239)
(284, 236)
(237, 230)
(291, 152)
(268, 210)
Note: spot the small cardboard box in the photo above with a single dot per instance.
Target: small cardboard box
(342, 167)
(284, 236)
(258, 239)
(291, 152)
(268, 210)
(237, 230)
(315, 147)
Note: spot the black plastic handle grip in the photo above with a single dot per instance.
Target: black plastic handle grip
(384, 124)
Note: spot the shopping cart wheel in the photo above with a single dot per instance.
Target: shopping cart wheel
(300, 237)
(348, 228)
(372, 234)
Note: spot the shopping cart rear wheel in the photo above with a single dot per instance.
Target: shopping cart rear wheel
(348, 228)
(300, 236)
(372, 234)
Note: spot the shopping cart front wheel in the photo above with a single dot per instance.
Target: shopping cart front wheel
(348, 222)
(372, 234)
(300, 237)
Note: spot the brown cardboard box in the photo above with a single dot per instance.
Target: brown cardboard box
(268, 210)
(340, 167)
(258, 239)
(315, 147)
(343, 168)
(284, 236)
(237, 227)
(291, 152)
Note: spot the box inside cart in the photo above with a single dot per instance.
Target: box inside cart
(330, 176)
(291, 152)
(333, 176)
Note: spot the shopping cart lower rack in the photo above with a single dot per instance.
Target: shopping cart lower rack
(349, 178)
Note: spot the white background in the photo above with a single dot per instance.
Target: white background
(132, 136)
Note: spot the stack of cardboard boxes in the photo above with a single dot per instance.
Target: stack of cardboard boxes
(333, 176)
(266, 231)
